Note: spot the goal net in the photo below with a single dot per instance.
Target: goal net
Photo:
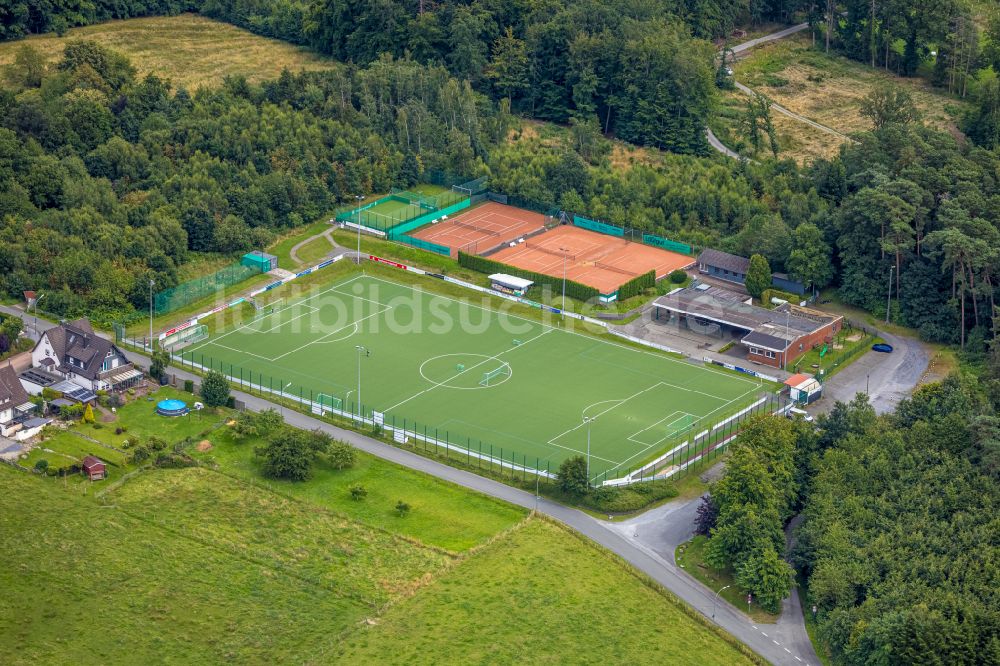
(188, 336)
(493, 376)
(329, 402)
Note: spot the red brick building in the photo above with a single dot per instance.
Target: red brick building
(771, 337)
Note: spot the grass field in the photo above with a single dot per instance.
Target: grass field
(190, 50)
(86, 584)
(192, 566)
(538, 595)
(476, 377)
(829, 88)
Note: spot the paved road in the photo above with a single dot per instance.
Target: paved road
(661, 530)
(791, 114)
(887, 378)
(743, 49)
(746, 46)
(719, 146)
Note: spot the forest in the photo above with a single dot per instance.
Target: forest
(87, 151)
(900, 515)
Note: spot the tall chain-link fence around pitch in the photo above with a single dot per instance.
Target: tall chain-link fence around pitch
(188, 292)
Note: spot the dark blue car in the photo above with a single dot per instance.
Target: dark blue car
(882, 347)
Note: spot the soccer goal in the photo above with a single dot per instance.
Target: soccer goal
(491, 377)
(264, 309)
(188, 336)
(329, 403)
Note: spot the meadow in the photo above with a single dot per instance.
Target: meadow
(190, 50)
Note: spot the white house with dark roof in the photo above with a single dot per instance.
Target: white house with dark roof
(15, 408)
(74, 353)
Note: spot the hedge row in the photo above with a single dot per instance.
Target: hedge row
(768, 294)
(637, 285)
(483, 265)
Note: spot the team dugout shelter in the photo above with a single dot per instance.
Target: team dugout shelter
(771, 337)
(510, 284)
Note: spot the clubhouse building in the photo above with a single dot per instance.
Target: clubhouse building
(771, 337)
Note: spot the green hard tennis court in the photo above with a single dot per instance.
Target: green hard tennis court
(476, 377)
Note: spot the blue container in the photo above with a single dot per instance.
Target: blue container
(171, 408)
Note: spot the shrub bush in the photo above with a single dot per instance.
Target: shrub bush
(678, 276)
(340, 455)
(358, 492)
(41, 465)
(402, 508)
(189, 385)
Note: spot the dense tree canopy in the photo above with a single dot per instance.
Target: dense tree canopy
(899, 538)
(107, 181)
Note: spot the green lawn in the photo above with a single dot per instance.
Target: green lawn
(140, 420)
(442, 515)
(427, 371)
(691, 557)
(282, 247)
(347, 558)
(86, 584)
(315, 250)
(538, 595)
(65, 448)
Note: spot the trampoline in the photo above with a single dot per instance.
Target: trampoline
(171, 408)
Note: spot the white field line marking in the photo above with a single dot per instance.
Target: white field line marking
(238, 351)
(756, 385)
(301, 301)
(353, 323)
(775, 642)
(602, 413)
(653, 425)
(494, 357)
(765, 635)
(788, 651)
(701, 418)
(329, 342)
(797, 658)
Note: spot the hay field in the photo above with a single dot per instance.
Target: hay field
(190, 50)
(829, 88)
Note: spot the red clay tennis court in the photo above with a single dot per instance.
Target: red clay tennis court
(594, 259)
(482, 228)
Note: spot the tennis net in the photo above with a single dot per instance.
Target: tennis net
(466, 225)
(609, 267)
(547, 250)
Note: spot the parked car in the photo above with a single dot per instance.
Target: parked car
(882, 347)
(795, 411)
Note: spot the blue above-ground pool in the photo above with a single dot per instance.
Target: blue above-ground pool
(171, 408)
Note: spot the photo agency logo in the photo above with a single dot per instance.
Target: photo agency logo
(375, 306)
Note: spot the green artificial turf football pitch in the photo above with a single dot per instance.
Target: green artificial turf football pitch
(478, 378)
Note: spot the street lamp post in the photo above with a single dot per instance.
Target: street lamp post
(367, 352)
(35, 323)
(358, 198)
(151, 283)
(564, 251)
(588, 420)
(888, 299)
(715, 599)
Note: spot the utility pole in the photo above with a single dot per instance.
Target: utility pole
(888, 300)
(358, 198)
